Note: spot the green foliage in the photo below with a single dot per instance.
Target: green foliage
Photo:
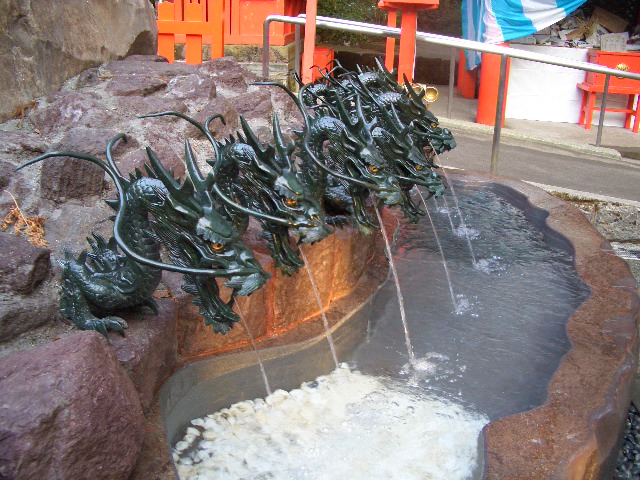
(358, 10)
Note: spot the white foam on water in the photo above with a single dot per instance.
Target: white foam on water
(343, 425)
(463, 305)
(490, 265)
(468, 232)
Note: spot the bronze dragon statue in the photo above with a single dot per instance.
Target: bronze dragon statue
(150, 212)
(264, 182)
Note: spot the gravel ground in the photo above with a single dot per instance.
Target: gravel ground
(628, 467)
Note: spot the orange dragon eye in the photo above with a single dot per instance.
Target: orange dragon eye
(419, 167)
(217, 246)
(291, 202)
(434, 124)
(373, 169)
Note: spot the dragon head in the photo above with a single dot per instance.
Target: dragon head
(362, 158)
(289, 195)
(189, 221)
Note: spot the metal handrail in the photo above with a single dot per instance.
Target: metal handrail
(454, 43)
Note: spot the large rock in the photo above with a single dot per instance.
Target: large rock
(68, 411)
(148, 351)
(42, 44)
(22, 266)
(71, 177)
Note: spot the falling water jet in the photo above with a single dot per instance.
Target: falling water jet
(455, 200)
(463, 226)
(316, 293)
(446, 207)
(444, 261)
(255, 349)
(394, 272)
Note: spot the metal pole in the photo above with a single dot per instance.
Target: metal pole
(603, 107)
(297, 54)
(497, 128)
(452, 72)
(265, 49)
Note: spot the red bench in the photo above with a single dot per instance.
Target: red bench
(589, 99)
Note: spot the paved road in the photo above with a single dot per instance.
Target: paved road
(541, 164)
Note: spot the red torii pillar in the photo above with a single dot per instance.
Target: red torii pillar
(409, 10)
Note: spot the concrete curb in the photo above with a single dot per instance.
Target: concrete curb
(585, 196)
(517, 135)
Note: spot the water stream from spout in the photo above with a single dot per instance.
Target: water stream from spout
(255, 348)
(394, 272)
(444, 260)
(316, 293)
(448, 211)
(462, 227)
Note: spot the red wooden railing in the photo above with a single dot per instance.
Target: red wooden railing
(188, 21)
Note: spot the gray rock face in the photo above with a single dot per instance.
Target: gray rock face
(21, 313)
(42, 44)
(22, 266)
(68, 411)
(73, 178)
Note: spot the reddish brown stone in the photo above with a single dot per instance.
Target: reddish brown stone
(135, 85)
(148, 351)
(195, 338)
(294, 299)
(147, 66)
(352, 253)
(194, 87)
(68, 410)
(66, 110)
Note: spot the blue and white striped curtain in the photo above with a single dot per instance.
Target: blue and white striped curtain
(472, 28)
(504, 20)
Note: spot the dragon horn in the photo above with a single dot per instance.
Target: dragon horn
(252, 138)
(344, 114)
(201, 183)
(266, 155)
(414, 96)
(361, 118)
(211, 118)
(401, 130)
(158, 171)
(284, 156)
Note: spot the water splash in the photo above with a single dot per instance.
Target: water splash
(394, 272)
(255, 348)
(343, 425)
(490, 265)
(316, 293)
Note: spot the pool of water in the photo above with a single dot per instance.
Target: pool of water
(496, 349)
(488, 352)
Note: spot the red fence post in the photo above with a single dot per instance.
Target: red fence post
(166, 38)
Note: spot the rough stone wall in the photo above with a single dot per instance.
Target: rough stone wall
(44, 43)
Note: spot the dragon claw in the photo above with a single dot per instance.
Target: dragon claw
(104, 325)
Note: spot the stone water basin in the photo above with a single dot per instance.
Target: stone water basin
(556, 398)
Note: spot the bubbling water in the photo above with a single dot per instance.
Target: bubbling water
(342, 425)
